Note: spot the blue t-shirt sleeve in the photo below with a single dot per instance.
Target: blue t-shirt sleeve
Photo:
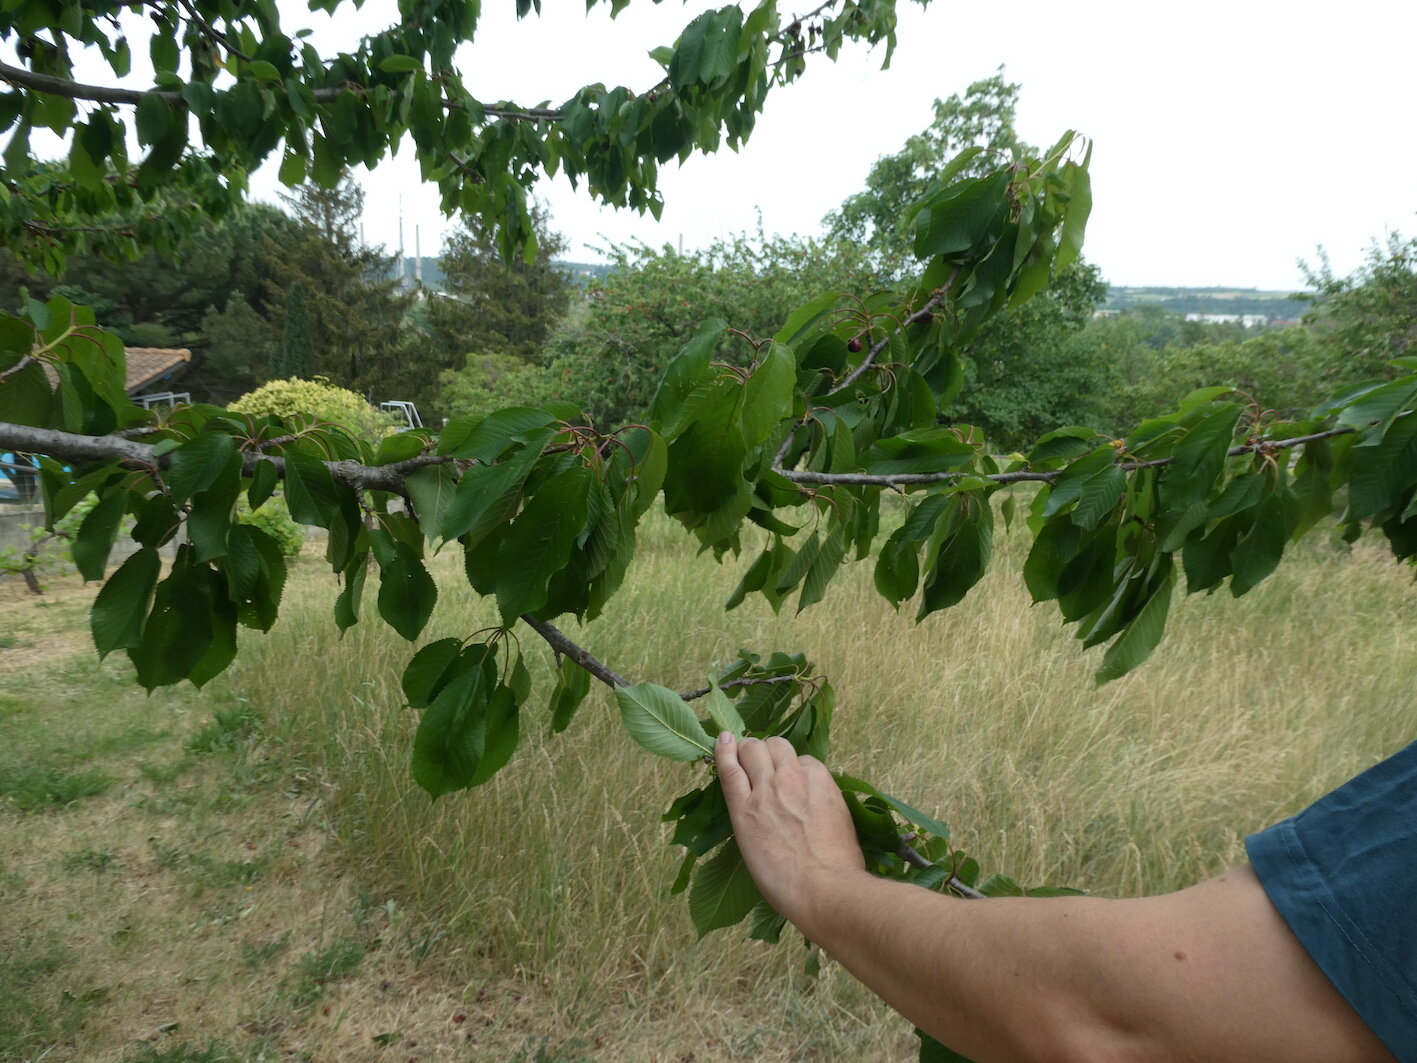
(1343, 875)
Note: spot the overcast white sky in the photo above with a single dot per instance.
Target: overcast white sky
(1230, 138)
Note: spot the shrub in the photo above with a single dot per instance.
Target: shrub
(275, 520)
(315, 400)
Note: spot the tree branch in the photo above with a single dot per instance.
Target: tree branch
(861, 479)
(68, 446)
(578, 654)
(50, 85)
(912, 857)
(923, 314)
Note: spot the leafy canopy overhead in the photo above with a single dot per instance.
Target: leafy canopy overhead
(235, 86)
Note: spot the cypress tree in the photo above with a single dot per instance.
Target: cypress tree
(295, 357)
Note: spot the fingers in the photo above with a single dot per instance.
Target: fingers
(751, 763)
(735, 781)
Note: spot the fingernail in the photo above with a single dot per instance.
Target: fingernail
(724, 737)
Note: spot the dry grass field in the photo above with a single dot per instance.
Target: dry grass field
(248, 873)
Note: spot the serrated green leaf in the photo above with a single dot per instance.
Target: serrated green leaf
(723, 891)
(1140, 637)
(196, 465)
(347, 601)
(407, 594)
(658, 719)
(423, 676)
(503, 734)
(539, 542)
(94, 540)
(264, 479)
(121, 606)
(431, 488)
(572, 685)
(452, 732)
(723, 712)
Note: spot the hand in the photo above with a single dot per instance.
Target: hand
(792, 826)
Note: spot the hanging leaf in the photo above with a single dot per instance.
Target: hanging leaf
(659, 720)
(723, 891)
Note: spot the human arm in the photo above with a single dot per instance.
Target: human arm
(1209, 973)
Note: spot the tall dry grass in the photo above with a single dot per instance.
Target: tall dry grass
(557, 872)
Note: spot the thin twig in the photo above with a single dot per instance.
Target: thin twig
(912, 856)
(861, 479)
(732, 684)
(924, 313)
(212, 32)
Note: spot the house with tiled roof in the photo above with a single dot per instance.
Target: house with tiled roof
(146, 367)
(150, 366)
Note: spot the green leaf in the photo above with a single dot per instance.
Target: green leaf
(399, 447)
(196, 465)
(1382, 473)
(261, 70)
(486, 496)
(423, 677)
(309, 490)
(538, 543)
(121, 606)
(431, 488)
(1140, 637)
(958, 555)
(212, 512)
(723, 712)
(407, 593)
(400, 64)
(452, 732)
(768, 401)
(688, 371)
(1095, 483)
(897, 572)
(723, 891)
(95, 537)
(347, 601)
(26, 397)
(1199, 459)
(1259, 551)
(658, 719)
(153, 117)
(179, 630)
(484, 439)
(264, 479)
(572, 685)
(502, 736)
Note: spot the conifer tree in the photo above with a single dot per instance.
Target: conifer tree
(295, 356)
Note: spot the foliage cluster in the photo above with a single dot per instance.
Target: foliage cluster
(613, 355)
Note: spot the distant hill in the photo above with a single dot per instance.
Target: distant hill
(1274, 305)
(582, 273)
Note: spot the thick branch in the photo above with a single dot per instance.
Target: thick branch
(68, 446)
(578, 654)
